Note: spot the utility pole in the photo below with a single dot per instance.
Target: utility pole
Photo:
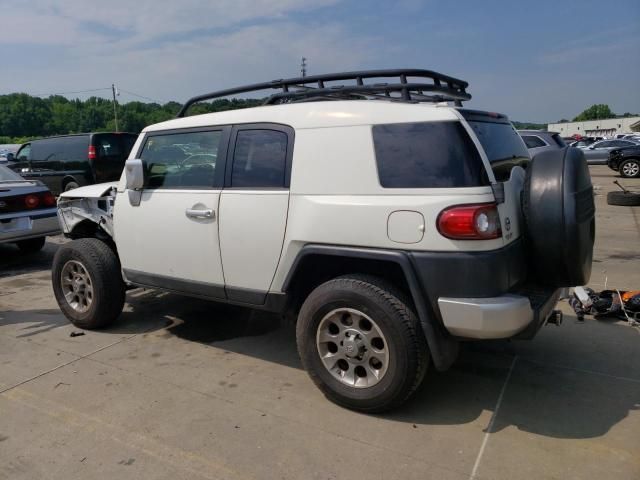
(303, 67)
(115, 92)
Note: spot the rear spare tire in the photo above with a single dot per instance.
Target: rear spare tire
(559, 214)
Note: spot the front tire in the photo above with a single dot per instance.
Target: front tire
(630, 168)
(87, 283)
(361, 344)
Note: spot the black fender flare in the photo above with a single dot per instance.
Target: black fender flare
(442, 346)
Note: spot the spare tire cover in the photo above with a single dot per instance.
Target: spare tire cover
(559, 214)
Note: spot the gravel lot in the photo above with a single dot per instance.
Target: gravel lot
(182, 388)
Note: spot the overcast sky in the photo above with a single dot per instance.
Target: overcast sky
(535, 61)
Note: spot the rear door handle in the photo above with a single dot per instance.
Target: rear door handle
(194, 213)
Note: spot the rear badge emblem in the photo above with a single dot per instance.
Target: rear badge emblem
(507, 224)
(3, 204)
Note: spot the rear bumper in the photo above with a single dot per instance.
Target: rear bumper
(482, 295)
(25, 225)
(504, 316)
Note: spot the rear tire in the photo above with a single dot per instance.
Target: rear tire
(87, 283)
(70, 186)
(31, 245)
(630, 168)
(361, 345)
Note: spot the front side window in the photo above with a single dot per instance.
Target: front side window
(427, 155)
(181, 160)
(24, 154)
(259, 159)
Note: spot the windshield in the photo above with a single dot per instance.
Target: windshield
(7, 175)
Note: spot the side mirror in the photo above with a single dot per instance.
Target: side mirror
(11, 157)
(591, 147)
(134, 174)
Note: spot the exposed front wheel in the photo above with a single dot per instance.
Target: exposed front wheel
(361, 344)
(87, 283)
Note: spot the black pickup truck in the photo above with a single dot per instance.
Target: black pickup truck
(626, 161)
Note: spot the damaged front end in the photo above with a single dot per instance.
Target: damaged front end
(88, 215)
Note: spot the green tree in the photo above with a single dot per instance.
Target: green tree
(595, 112)
(24, 117)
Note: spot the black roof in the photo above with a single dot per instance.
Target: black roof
(407, 85)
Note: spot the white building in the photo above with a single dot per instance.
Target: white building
(607, 127)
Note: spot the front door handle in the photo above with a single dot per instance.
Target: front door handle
(196, 213)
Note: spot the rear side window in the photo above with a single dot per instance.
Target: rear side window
(559, 141)
(427, 155)
(61, 149)
(181, 160)
(532, 141)
(259, 159)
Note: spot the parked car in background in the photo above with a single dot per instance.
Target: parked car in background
(6, 149)
(626, 161)
(583, 142)
(70, 161)
(28, 212)
(541, 140)
(598, 153)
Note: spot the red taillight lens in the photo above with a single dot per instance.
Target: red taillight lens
(470, 222)
(92, 152)
(48, 199)
(31, 201)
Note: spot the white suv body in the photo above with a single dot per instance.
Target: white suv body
(261, 206)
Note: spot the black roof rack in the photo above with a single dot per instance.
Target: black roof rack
(425, 86)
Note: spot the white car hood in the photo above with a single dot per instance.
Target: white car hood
(90, 191)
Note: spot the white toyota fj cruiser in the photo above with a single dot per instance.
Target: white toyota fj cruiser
(390, 220)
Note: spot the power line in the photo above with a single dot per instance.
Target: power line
(69, 93)
(96, 90)
(140, 96)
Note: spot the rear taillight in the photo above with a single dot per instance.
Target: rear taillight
(31, 201)
(92, 152)
(48, 199)
(470, 222)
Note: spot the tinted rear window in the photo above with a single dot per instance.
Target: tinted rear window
(500, 141)
(113, 146)
(427, 155)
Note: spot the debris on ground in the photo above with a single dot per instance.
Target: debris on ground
(625, 198)
(76, 334)
(624, 305)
